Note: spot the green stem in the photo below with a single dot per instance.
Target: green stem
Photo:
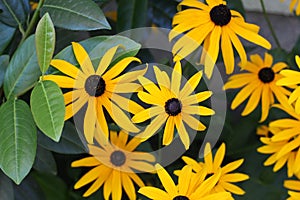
(33, 21)
(269, 23)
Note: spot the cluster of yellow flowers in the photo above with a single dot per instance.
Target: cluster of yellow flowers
(173, 104)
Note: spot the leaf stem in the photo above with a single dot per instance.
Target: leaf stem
(269, 23)
(33, 21)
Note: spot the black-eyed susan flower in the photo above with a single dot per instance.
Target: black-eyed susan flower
(294, 5)
(115, 164)
(290, 78)
(258, 83)
(99, 89)
(172, 105)
(284, 145)
(226, 178)
(294, 189)
(185, 189)
(212, 24)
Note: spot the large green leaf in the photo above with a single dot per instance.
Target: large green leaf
(98, 46)
(131, 14)
(7, 34)
(14, 12)
(45, 42)
(70, 142)
(48, 108)
(23, 70)
(4, 59)
(18, 139)
(44, 161)
(75, 15)
(6, 187)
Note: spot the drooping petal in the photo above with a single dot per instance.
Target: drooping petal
(227, 52)
(90, 121)
(169, 131)
(128, 186)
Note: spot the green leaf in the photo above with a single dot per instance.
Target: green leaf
(70, 142)
(52, 186)
(75, 15)
(18, 139)
(45, 42)
(7, 34)
(23, 70)
(48, 108)
(44, 161)
(6, 187)
(14, 12)
(97, 47)
(131, 14)
(4, 59)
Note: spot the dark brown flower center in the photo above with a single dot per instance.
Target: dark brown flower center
(266, 75)
(220, 15)
(180, 198)
(173, 107)
(95, 85)
(117, 158)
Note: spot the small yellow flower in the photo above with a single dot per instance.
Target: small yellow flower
(284, 145)
(213, 166)
(99, 89)
(185, 189)
(259, 84)
(172, 105)
(212, 24)
(115, 165)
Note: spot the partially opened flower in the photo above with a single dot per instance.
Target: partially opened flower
(212, 24)
(172, 105)
(258, 84)
(99, 89)
(284, 145)
(294, 189)
(115, 164)
(291, 78)
(185, 189)
(295, 5)
(213, 166)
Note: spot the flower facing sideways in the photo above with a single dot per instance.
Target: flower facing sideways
(212, 24)
(284, 144)
(186, 188)
(114, 166)
(100, 89)
(172, 105)
(259, 84)
(213, 166)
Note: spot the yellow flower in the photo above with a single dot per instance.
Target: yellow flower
(294, 5)
(295, 186)
(212, 24)
(284, 145)
(226, 178)
(115, 164)
(185, 189)
(291, 78)
(259, 84)
(98, 89)
(172, 105)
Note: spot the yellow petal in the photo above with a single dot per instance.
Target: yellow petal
(227, 52)
(83, 59)
(119, 67)
(106, 60)
(66, 68)
(253, 101)
(154, 193)
(147, 114)
(193, 122)
(166, 180)
(191, 84)
(128, 186)
(61, 81)
(176, 78)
